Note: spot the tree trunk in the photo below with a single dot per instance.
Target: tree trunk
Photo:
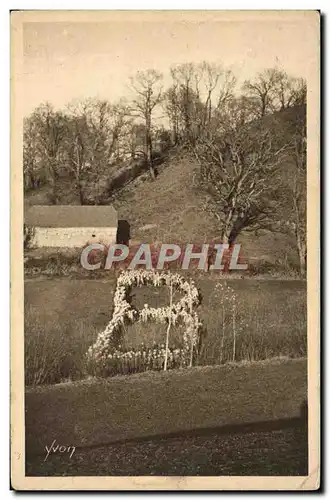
(186, 114)
(301, 249)
(32, 178)
(227, 227)
(52, 176)
(300, 238)
(149, 149)
(263, 105)
(226, 254)
(81, 194)
(53, 189)
(174, 132)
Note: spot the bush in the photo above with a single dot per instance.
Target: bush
(61, 263)
(279, 268)
(28, 235)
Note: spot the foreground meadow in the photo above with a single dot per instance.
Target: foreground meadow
(63, 317)
(245, 415)
(243, 419)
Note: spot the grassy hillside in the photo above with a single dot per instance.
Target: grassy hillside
(241, 420)
(170, 210)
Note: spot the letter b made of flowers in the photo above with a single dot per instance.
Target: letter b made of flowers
(182, 312)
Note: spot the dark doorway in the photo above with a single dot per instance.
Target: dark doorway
(123, 232)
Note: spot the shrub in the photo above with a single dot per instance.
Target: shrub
(28, 235)
(284, 267)
(61, 263)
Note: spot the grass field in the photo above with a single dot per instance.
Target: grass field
(64, 316)
(225, 420)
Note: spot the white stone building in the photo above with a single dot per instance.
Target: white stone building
(71, 226)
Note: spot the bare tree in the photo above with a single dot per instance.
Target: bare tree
(50, 133)
(134, 144)
(295, 189)
(197, 92)
(288, 91)
(31, 169)
(93, 140)
(299, 192)
(184, 77)
(119, 127)
(148, 91)
(292, 199)
(299, 92)
(107, 124)
(219, 81)
(283, 91)
(239, 169)
(262, 88)
(227, 85)
(79, 157)
(172, 109)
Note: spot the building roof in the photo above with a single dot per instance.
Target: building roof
(71, 216)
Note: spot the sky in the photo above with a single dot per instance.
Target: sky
(74, 56)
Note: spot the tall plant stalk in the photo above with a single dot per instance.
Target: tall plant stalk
(223, 331)
(191, 332)
(234, 331)
(168, 328)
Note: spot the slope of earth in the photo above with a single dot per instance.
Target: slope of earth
(234, 419)
(170, 210)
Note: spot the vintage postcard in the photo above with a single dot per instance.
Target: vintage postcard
(165, 178)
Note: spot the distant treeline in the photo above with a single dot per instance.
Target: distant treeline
(92, 138)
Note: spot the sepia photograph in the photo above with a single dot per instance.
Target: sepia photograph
(165, 246)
